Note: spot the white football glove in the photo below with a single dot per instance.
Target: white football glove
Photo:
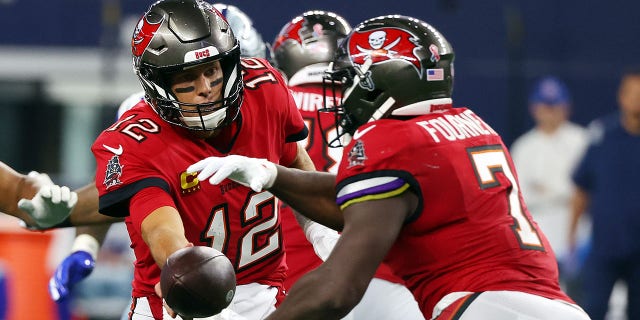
(42, 179)
(258, 174)
(50, 206)
(322, 238)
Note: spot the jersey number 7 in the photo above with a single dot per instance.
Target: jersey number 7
(489, 160)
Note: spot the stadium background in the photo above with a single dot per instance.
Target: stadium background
(65, 64)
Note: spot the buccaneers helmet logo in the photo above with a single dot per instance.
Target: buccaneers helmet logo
(143, 34)
(384, 44)
(301, 31)
(290, 31)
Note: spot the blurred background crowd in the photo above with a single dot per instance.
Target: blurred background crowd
(65, 66)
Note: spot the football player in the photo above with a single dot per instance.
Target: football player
(81, 261)
(202, 99)
(302, 51)
(425, 187)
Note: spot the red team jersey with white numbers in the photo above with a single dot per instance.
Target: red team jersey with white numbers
(301, 257)
(142, 150)
(309, 99)
(471, 230)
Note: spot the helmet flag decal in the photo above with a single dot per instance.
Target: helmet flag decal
(384, 44)
(143, 34)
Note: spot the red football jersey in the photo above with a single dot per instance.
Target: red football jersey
(301, 258)
(471, 230)
(142, 150)
(309, 99)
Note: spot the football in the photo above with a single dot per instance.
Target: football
(198, 282)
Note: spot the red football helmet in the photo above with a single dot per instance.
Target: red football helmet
(389, 66)
(305, 45)
(177, 34)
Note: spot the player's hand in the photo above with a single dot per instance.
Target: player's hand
(322, 238)
(50, 206)
(170, 311)
(41, 179)
(258, 174)
(158, 289)
(73, 269)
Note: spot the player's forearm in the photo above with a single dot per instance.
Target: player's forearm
(13, 187)
(163, 232)
(313, 298)
(26, 189)
(85, 212)
(163, 243)
(310, 193)
(98, 232)
(88, 239)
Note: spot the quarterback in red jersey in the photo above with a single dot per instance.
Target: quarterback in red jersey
(80, 263)
(302, 51)
(427, 188)
(202, 99)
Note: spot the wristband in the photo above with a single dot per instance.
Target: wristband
(66, 223)
(87, 243)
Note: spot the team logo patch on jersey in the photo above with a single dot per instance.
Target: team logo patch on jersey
(189, 182)
(356, 156)
(385, 44)
(113, 173)
(142, 35)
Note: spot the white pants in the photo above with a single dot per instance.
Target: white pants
(512, 305)
(386, 300)
(251, 302)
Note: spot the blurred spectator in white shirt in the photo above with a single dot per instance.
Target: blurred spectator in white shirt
(545, 157)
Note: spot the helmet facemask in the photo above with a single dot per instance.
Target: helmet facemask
(338, 84)
(203, 116)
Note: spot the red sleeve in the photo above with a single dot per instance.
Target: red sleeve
(294, 125)
(289, 153)
(146, 201)
(124, 166)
